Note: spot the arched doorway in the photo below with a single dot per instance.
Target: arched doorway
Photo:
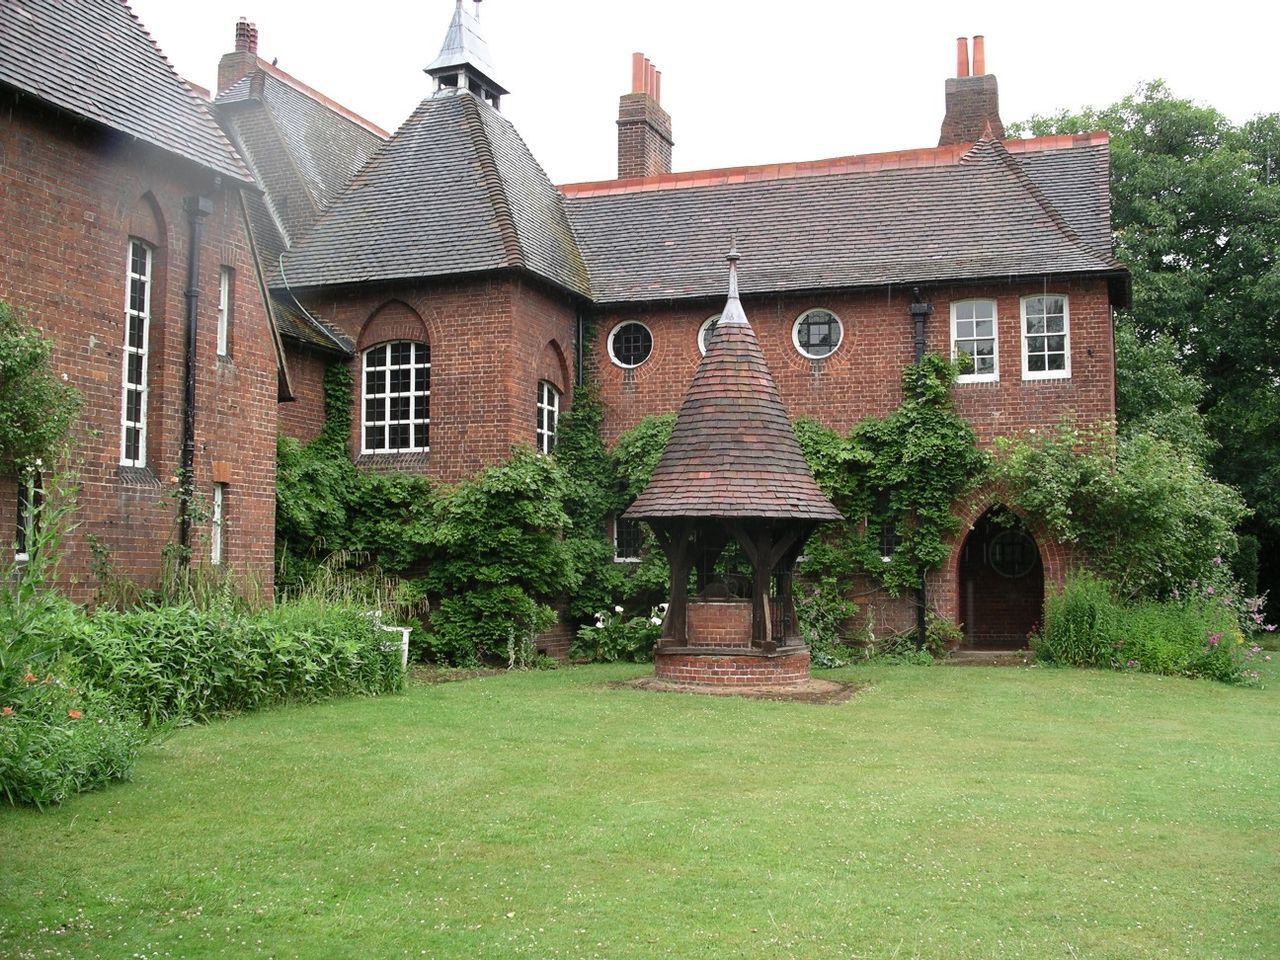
(1001, 582)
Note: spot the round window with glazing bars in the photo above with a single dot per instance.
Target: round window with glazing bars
(817, 333)
(705, 331)
(630, 344)
(1013, 553)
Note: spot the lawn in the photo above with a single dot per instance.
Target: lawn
(942, 813)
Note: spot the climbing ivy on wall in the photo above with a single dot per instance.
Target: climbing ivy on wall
(903, 472)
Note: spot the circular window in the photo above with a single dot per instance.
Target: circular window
(1013, 553)
(705, 331)
(630, 344)
(817, 333)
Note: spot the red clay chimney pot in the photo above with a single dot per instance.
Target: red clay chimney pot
(979, 56)
(962, 56)
(657, 86)
(637, 72)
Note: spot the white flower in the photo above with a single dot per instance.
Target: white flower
(886, 559)
(663, 607)
(39, 462)
(617, 609)
(656, 621)
(599, 614)
(599, 624)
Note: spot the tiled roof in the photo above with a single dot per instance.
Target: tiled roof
(302, 149)
(95, 59)
(296, 133)
(733, 452)
(455, 190)
(951, 213)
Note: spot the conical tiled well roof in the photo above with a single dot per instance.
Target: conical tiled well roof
(733, 452)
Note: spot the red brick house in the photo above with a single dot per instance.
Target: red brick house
(468, 293)
(125, 221)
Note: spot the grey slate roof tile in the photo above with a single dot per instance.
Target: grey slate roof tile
(95, 59)
(455, 190)
(985, 217)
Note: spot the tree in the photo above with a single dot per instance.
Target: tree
(1196, 210)
(36, 407)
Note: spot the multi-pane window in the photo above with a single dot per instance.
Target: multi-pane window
(630, 344)
(30, 497)
(217, 522)
(397, 397)
(548, 416)
(628, 538)
(1046, 350)
(137, 324)
(973, 338)
(226, 286)
(817, 333)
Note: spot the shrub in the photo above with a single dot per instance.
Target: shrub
(57, 740)
(487, 623)
(186, 663)
(36, 407)
(613, 638)
(821, 608)
(1204, 633)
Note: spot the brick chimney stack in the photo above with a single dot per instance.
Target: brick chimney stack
(644, 128)
(243, 60)
(973, 100)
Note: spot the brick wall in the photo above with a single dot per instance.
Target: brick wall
(303, 417)
(490, 338)
(718, 623)
(644, 137)
(72, 197)
(861, 378)
(730, 670)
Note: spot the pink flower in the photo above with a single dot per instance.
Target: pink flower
(1215, 639)
(1209, 590)
(74, 714)
(8, 711)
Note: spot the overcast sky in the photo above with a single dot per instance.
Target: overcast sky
(744, 83)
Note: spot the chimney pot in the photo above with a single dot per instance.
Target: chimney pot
(637, 72)
(657, 86)
(979, 55)
(246, 36)
(962, 56)
(644, 128)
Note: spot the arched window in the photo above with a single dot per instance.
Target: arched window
(137, 330)
(397, 397)
(548, 416)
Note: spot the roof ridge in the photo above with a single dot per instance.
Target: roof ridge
(943, 156)
(328, 102)
(491, 174)
(1005, 158)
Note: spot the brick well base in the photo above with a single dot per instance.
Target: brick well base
(789, 665)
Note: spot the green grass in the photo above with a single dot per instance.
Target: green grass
(942, 813)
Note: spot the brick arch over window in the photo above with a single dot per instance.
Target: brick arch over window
(395, 320)
(553, 367)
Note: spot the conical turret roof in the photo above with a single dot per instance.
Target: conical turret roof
(465, 47)
(733, 452)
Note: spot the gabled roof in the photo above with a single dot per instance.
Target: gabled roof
(975, 211)
(733, 452)
(94, 59)
(454, 191)
(302, 149)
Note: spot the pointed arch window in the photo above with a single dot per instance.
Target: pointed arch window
(397, 398)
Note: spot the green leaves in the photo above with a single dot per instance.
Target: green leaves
(36, 407)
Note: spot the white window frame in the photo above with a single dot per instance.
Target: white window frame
(26, 512)
(415, 398)
(617, 520)
(795, 333)
(548, 416)
(217, 523)
(614, 332)
(994, 376)
(127, 351)
(1065, 372)
(226, 286)
(704, 331)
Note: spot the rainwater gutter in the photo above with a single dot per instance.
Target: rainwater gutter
(197, 208)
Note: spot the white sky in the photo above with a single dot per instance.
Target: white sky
(745, 83)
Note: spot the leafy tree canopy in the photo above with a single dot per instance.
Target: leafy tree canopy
(1196, 211)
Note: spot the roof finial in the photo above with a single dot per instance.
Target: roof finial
(733, 312)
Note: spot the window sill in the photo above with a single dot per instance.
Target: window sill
(991, 378)
(394, 461)
(1032, 377)
(138, 477)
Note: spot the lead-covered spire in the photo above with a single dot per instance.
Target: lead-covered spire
(464, 59)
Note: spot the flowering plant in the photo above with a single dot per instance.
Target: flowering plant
(614, 636)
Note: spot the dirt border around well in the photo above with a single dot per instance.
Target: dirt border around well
(811, 691)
